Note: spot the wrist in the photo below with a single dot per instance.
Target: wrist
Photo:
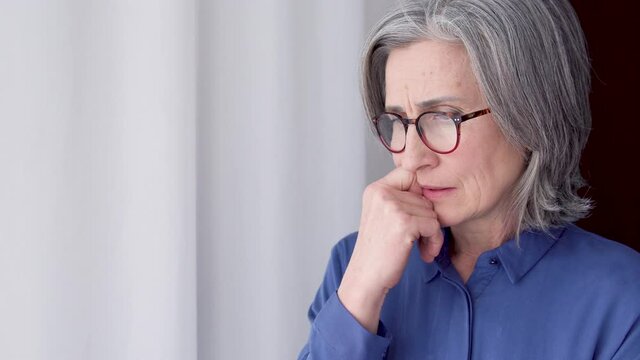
(364, 303)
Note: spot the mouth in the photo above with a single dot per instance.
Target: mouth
(434, 193)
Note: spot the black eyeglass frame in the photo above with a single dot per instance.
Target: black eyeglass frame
(457, 119)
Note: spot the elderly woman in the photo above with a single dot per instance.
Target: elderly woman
(466, 250)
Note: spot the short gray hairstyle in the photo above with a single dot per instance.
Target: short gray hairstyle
(531, 62)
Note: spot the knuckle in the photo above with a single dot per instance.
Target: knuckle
(432, 226)
(373, 190)
(369, 191)
(392, 208)
(379, 194)
(403, 220)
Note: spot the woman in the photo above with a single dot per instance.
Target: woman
(466, 249)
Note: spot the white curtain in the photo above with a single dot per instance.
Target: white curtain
(281, 138)
(173, 173)
(97, 204)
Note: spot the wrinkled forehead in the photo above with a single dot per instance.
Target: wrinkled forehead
(427, 70)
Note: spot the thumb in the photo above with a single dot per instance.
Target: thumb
(430, 246)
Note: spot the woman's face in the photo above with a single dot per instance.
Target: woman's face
(469, 187)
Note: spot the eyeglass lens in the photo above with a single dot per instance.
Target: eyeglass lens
(438, 131)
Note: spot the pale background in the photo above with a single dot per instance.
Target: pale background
(175, 172)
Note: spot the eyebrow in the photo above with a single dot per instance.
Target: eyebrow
(423, 105)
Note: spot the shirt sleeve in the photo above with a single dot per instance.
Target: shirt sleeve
(335, 334)
(623, 325)
(630, 347)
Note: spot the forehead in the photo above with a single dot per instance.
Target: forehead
(429, 69)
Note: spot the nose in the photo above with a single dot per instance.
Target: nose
(416, 154)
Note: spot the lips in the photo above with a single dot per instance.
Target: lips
(435, 193)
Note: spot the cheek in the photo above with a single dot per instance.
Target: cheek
(474, 183)
(476, 169)
(491, 175)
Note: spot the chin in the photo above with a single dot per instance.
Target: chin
(446, 218)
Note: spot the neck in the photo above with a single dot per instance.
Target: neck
(474, 238)
(475, 242)
(469, 241)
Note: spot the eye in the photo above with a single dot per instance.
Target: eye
(447, 109)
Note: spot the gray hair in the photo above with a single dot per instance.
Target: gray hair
(531, 62)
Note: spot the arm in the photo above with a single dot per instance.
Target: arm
(345, 314)
(335, 334)
(630, 347)
(624, 321)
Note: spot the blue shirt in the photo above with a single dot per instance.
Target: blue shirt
(569, 294)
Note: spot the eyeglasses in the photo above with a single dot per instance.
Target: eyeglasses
(439, 131)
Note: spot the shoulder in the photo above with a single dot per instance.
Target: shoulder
(592, 255)
(587, 246)
(602, 278)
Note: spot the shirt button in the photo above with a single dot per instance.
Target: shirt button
(493, 261)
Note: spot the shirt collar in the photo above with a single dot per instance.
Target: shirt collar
(517, 259)
(534, 244)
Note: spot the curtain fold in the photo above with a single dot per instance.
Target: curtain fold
(174, 173)
(97, 232)
(281, 138)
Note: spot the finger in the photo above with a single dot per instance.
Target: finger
(401, 179)
(431, 244)
(415, 188)
(434, 243)
(415, 199)
(419, 211)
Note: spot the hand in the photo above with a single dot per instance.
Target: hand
(394, 215)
